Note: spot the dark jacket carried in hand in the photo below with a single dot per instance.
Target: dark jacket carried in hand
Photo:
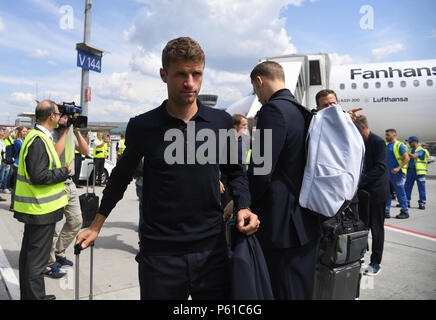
(283, 223)
(249, 272)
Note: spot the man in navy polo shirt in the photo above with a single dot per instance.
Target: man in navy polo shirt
(183, 248)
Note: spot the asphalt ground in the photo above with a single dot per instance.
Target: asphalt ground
(407, 271)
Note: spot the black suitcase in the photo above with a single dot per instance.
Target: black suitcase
(340, 283)
(89, 203)
(77, 250)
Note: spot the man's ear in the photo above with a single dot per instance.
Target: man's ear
(163, 75)
(259, 81)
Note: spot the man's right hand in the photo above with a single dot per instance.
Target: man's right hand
(89, 235)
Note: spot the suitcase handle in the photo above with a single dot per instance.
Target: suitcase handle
(93, 179)
(77, 250)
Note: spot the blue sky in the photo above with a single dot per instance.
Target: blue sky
(38, 57)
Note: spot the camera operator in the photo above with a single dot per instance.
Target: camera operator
(65, 145)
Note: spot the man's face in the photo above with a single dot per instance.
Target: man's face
(257, 88)
(390, 136)
(100, 136)
(55, 117)
(183, 79)
(242, 125)
(326, 101)
(413, 144)
(2, 132)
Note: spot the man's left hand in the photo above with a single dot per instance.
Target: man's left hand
(253, 222)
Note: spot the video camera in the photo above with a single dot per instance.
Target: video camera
(70, 109)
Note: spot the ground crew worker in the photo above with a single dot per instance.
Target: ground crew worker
(99, 158)
(8, 143)
(40, 198)
(121, 145)
(416, 171)
(398, 159)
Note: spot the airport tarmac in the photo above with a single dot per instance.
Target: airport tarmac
(408, 268)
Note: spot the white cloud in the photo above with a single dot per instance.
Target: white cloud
(337, 59)
(234, 35)
(383, 52)
(39, 54)
(2, 24)
(22, 98)
(432, 35)
(147, 63)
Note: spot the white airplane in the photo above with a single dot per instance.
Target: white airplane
(399, 95)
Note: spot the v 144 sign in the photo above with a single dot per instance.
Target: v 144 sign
(88, 61)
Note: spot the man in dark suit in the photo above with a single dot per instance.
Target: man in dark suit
(40, 199)
(288, 235)
(375, 180)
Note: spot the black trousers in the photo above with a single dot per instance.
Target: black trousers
(202, 275)
(34, 254)
(99, 167)
(292, 271)
(13, 185)
(376, 223)
(77, 167)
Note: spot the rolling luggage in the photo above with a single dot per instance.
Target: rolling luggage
(89, 203)
(77, 250)
(340, 283)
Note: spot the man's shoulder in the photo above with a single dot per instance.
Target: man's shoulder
(147, 118)
(216, 114)
(376, 139)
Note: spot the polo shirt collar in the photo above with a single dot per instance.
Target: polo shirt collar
(203, 112)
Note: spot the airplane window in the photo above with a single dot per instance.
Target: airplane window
(353, 86)
(429, 82)
(342, 86)
(366, 85)
(315, 73)
(403, 84)
(390, 84)
(415, 83)
(377, 85)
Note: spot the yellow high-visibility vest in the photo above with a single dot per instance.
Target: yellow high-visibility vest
(399, 157)
(122, 146)
(38, 199)
(421, 165)
(98, 152)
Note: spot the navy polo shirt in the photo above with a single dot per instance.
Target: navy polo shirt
(181, 202)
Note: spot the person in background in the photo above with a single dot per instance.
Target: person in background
(398, 159)
(65, 232)
(8, 142)
(416, 171)
(121, 145)
(2, 159)
(99, 158)
(18, 142)
(375, 180)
